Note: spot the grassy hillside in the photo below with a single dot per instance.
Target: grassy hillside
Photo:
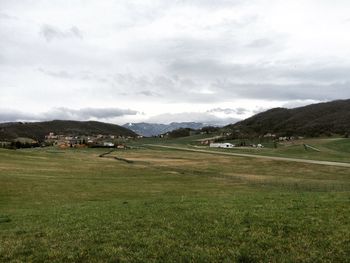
(38, 130)
(169, 206)
(335, 149)
(312, 120)
(330, 149)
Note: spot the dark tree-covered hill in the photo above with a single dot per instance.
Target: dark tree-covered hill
(312, 120)
(38, 130)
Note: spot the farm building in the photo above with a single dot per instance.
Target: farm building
(121, 146)
(108, 144)
(4, 144)
(221, 145)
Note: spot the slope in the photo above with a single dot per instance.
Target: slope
(38, 130)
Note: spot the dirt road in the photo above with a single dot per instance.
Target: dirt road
(254, 156)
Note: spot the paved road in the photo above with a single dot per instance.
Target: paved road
(254, 156)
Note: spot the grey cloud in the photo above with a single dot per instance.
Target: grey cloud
(58, 74)
(211, 4)
(241, 111)
(190, 47)
(212, 68)
(225, 88)
(266, 80)
(148, 93)
(75, 31)
(284, 91)
(50, 33)
(7, 16)
(319, 73)
(166, 51)
(157, 87)
(146, 85)
(244, 21)
(8, 115)
(79, 75)
(218, 86)
(132, 80)
(200, 67)
(187, 47)
(262, 71)
(88, 113)
(260, 43)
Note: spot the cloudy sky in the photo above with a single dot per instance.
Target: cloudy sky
(161, 61)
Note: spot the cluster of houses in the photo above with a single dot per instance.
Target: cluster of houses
(221, 145)
(213, 142)
(227, 145)
(100, 140)
(4, 144)
(282, 138)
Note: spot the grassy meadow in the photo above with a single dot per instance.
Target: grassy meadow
(169, 206)
(329, 149)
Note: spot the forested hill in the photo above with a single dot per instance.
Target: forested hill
(38, 130)
(312, 120)
(152, 129)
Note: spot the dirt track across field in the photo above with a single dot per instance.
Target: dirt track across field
(254, 156)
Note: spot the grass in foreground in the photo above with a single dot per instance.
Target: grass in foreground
(169, 206)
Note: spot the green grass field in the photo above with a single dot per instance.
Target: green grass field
(330, 149)
(170, 206)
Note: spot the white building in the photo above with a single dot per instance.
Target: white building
(221, 145)
(108, 144)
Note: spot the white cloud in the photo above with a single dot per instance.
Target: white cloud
(171, 56)
(8, 115)
(299, 103)
(227, 111)
(202, 117)
(50, 32)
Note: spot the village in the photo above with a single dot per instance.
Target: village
(220, 142)
(230, 145)
(92, 141)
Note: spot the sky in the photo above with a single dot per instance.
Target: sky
(169, 60)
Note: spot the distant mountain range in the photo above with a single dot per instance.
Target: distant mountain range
(152, 129)
(312, 120)
(38, 130)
